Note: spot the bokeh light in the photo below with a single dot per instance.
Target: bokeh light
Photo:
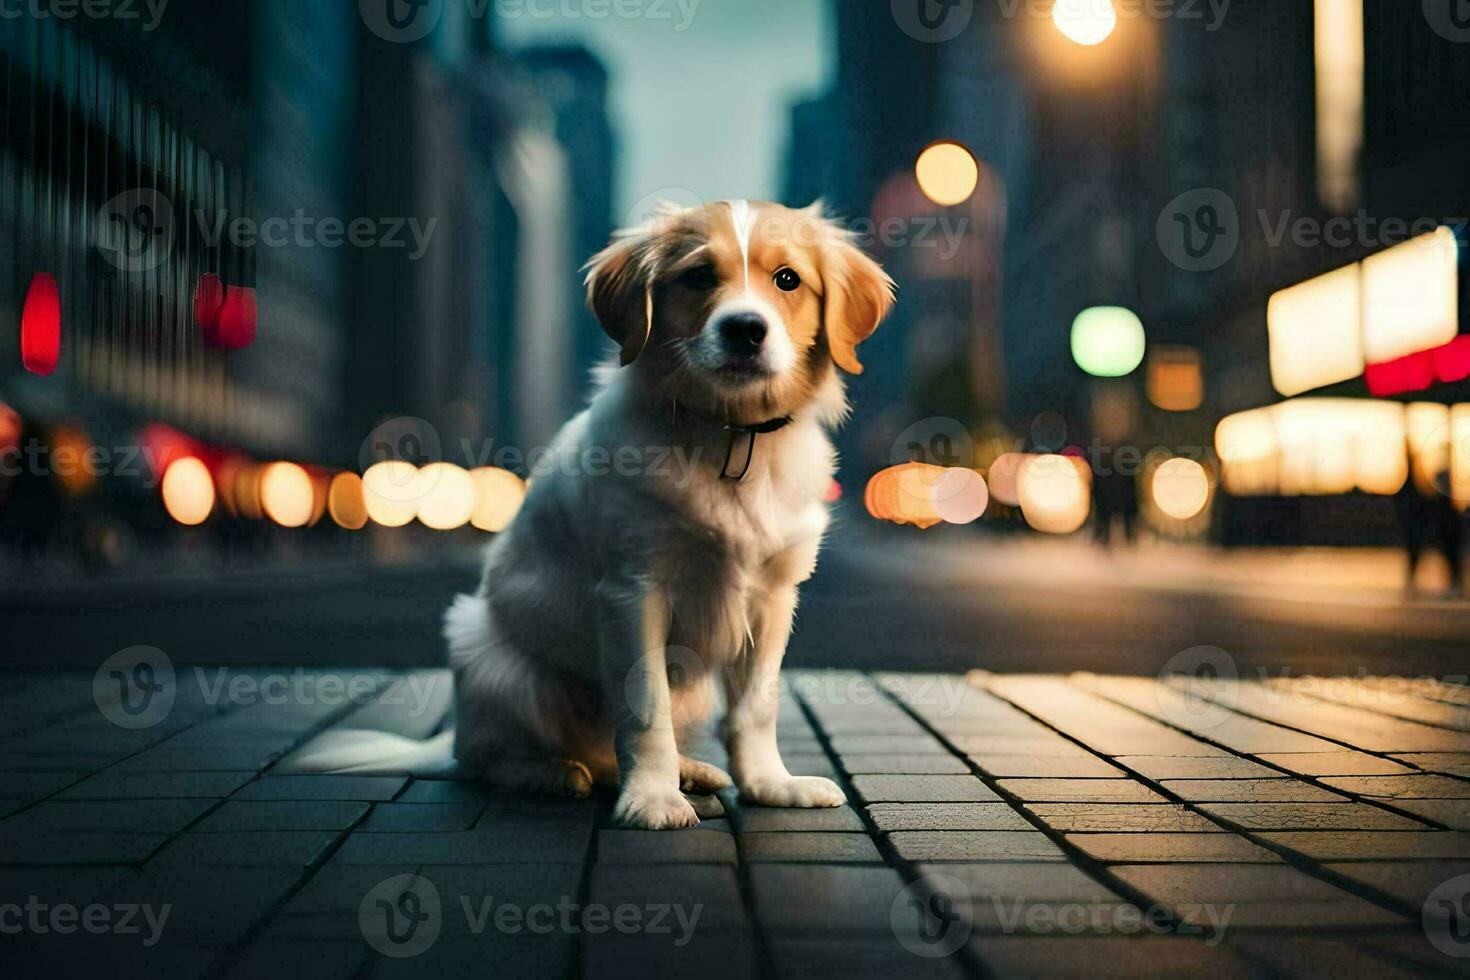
(40, 326)
(449, 497)
(1181, 488)
(1088, 22)
(1055, 494)
(1002, 478)
(286, 494)
(390, 491)
(345, 502)
(1108, 341)
(947, 173)
(500, 494)
(961, 496)
(188, 491)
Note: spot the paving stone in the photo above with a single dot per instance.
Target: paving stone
(1454, 814)
(1044, 745)
(822, 899)
(445, 791)
(1346, 913)
(241, 815)
(339, 889)
(809, 846)
(398, 817)
(1157, 767)
(34, 785)
(810, 765)
(846, 744)
(900, 764)
(1105, 956)
(756, 819)
(1179, 884)
(521, 955)
(923, 789)
(1080, 791)
(1181, 848)
(1250, 791)
(1335, 764)
(714, 888)
(75, 886)
(552, 844)
(1373, 845)
(963, 845)
(477, 893)
(1041, 881)
(799, 959)
(275, 955)
(881, 724)
(695, 845)
(111, 816)
(1047, 766)
(1450, 763)
(203, 908)
(115, 785)
(78, 848)
(1409, 881)
(947, 816)
(236, 758)
(373, 788)
(249, 849)
(697, 953)
(1310, 816)
(1419, 787)
(1123, 818)
(1313, 956)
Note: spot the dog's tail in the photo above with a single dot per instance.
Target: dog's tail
(372, 753)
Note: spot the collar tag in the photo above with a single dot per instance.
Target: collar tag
(759, 428)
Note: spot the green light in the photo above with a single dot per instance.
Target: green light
(1108, 341)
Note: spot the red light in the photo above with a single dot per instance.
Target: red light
(225, 315)
(1412, 373)
(1452, 361)
(235, 326)
(162, 445)
(834, 492)
(40, 326)
(209, 296)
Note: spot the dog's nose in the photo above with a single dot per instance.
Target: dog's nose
(743, 333)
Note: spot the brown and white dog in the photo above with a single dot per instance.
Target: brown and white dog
(616, 603)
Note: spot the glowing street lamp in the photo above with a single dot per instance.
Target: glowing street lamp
(1108, 341)
(1087, 22)
(947, 173)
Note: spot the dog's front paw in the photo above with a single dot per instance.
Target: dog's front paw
(654, 810)
(802, 791)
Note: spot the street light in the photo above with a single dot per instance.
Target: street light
(1088, 22)
(947, 173)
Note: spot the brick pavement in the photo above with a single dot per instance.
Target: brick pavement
(999, 825)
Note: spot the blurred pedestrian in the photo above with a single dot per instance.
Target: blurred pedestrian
(1428, 519)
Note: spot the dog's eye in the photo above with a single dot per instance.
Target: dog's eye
(787, 280)
(701, 278)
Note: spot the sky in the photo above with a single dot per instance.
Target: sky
(700, 113)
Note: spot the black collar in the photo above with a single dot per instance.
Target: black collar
(758, 428)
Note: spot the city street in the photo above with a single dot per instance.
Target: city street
(1006, 825)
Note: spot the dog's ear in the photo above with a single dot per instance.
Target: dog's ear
(620, 290)
(857, 296)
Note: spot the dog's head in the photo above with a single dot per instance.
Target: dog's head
(739, 307)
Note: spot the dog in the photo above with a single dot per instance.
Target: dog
(619, 605)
